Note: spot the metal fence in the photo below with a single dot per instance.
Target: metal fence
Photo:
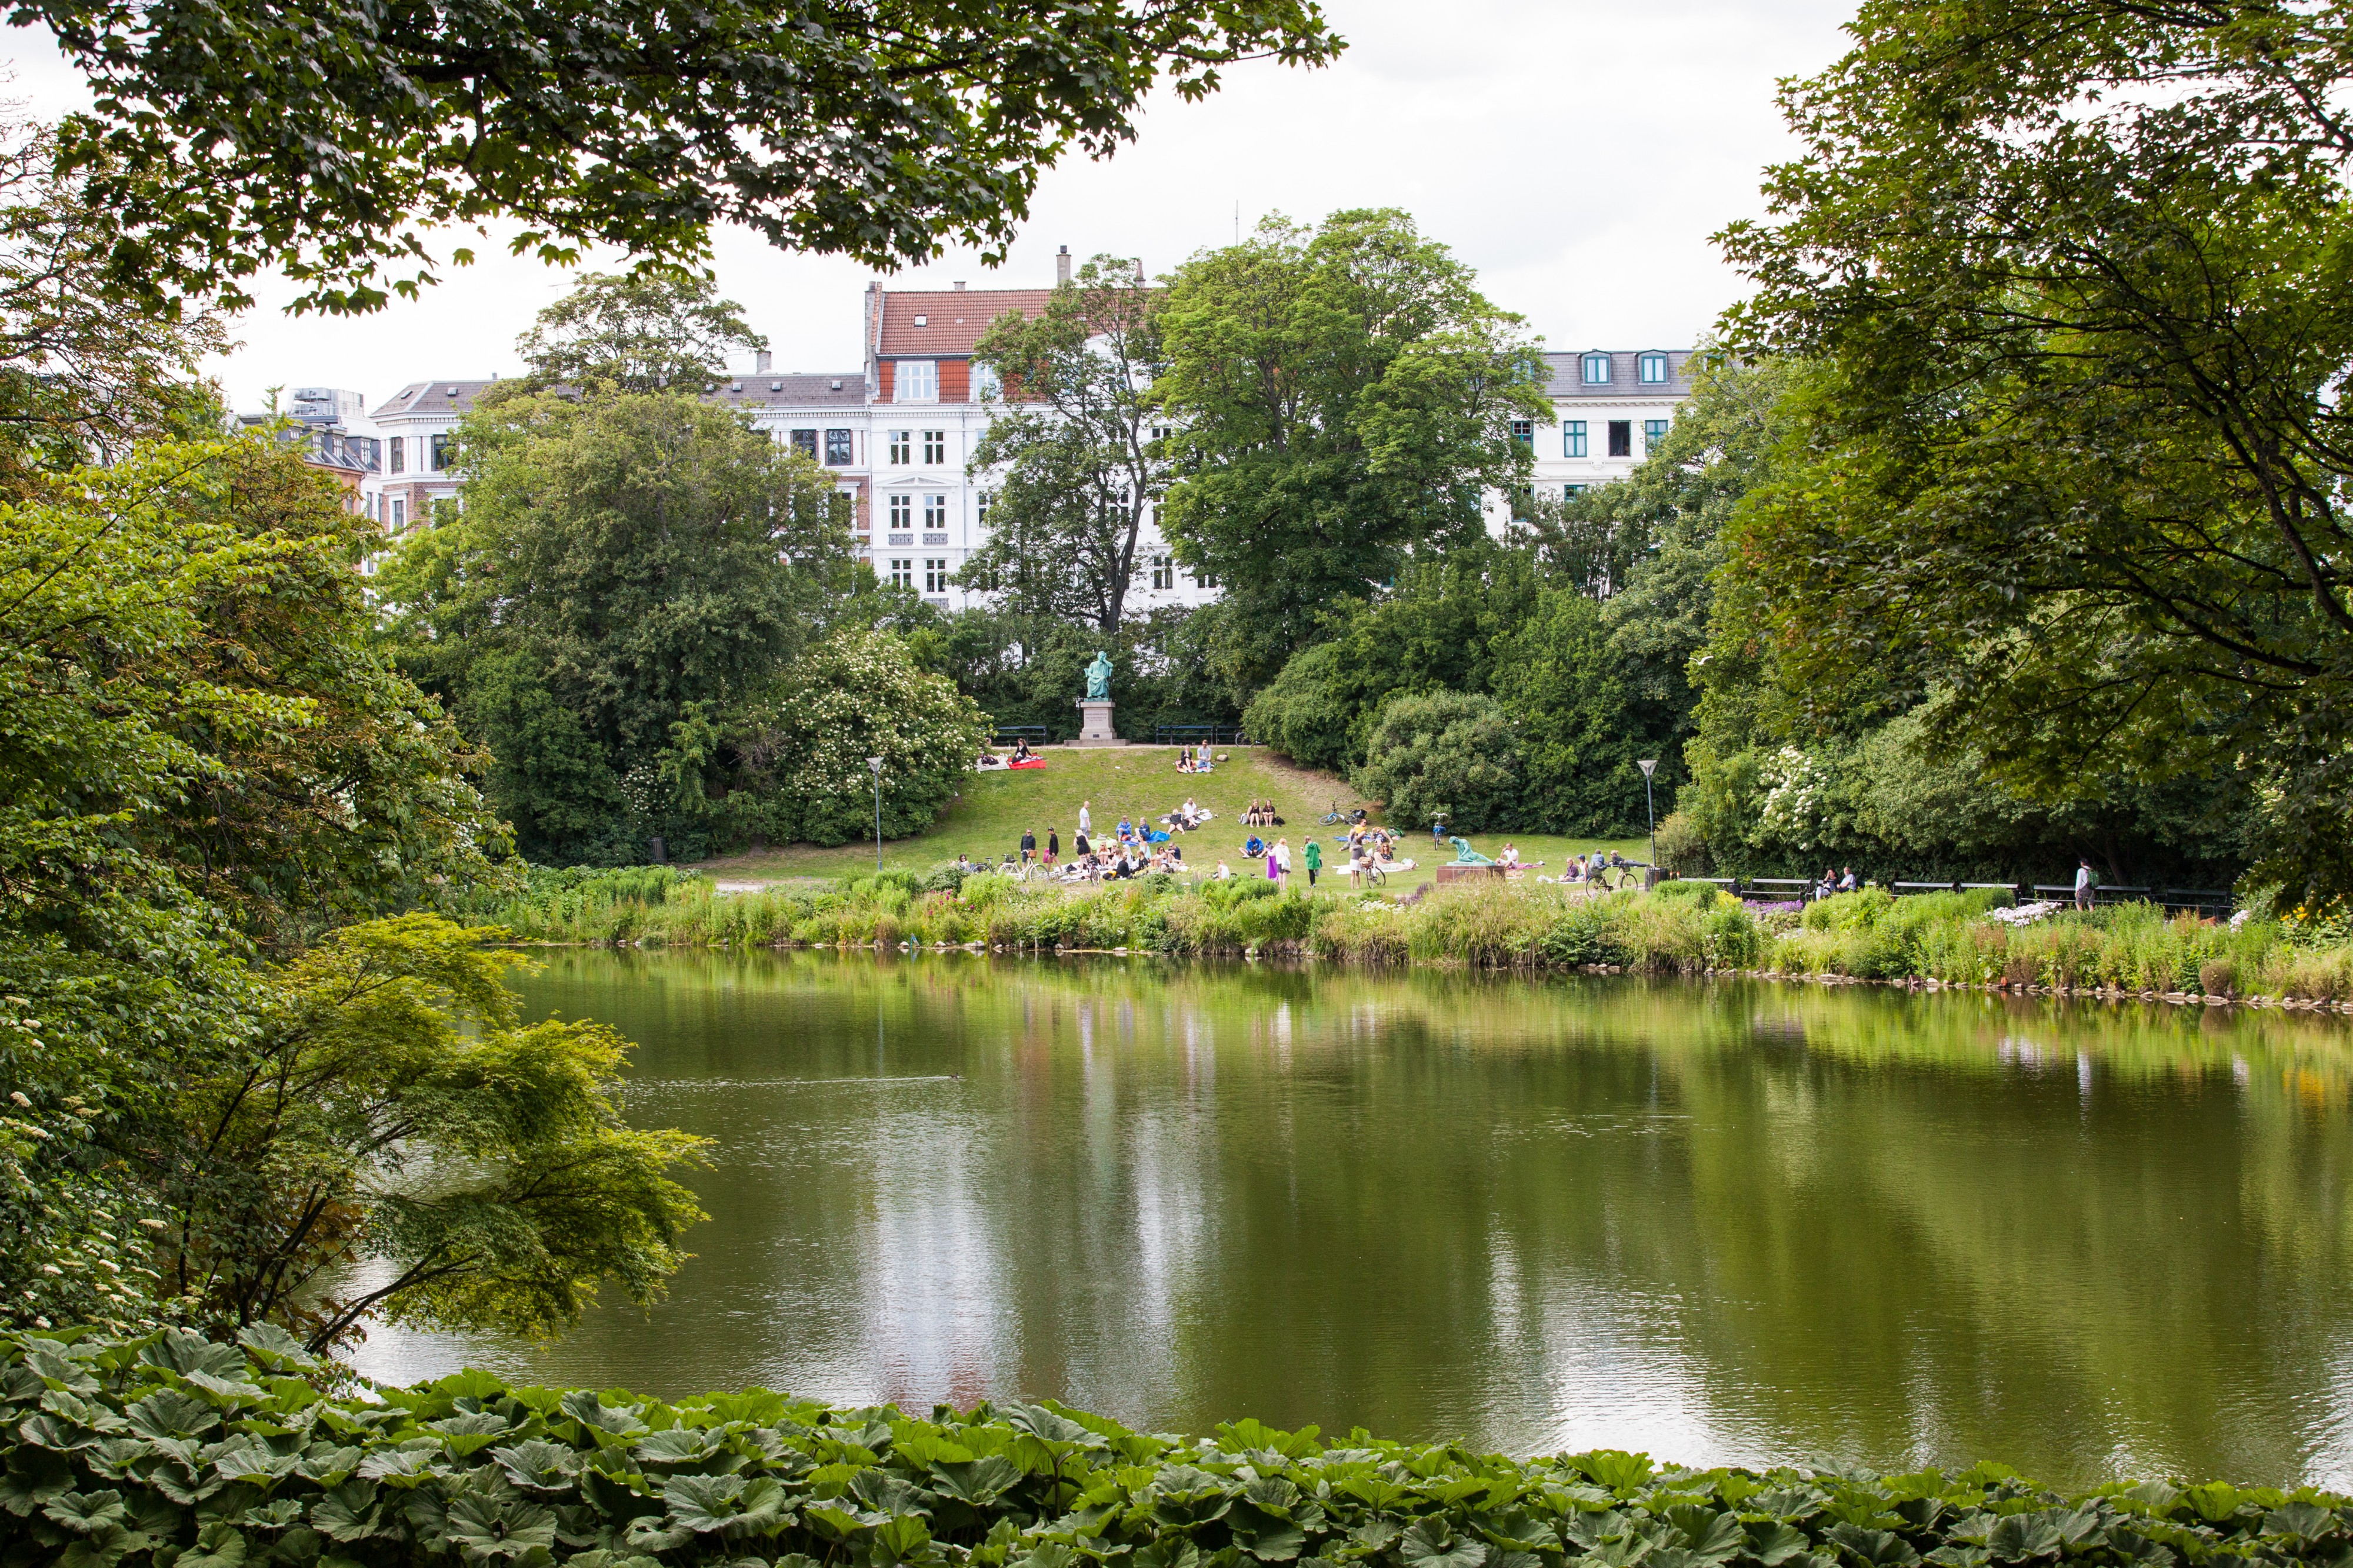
(1007, 734)
(1215, 734)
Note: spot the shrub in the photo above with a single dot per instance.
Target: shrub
(172, 1448)
(1444, 752)
(1683, 849)
(1581, 934)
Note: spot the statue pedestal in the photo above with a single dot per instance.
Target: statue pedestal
(1095, 724)
(1448, 871)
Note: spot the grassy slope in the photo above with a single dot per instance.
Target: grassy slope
(1138, 781)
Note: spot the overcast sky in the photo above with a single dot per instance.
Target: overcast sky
(1577, 154)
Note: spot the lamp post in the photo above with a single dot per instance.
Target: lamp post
(874, 766)
(1649, 806)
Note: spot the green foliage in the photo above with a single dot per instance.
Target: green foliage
(226, 142)
(1080, 467)
(2069, 453)
(1025, 669)
(1446, 752)
(630, 570)
(391, 1110)
(804, 745)
(1341, 398)
(105, 1439)
(651, 330)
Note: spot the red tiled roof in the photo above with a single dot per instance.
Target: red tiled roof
(954, 318)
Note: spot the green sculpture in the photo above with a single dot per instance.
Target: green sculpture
(1098, 678)
(1466, 856)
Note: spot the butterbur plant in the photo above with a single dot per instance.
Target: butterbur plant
(176, 1451)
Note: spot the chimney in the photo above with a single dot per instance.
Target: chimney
(959, 285)
(762, 362)
(1062, 266)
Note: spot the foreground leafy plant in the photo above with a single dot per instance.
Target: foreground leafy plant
(182, 1453)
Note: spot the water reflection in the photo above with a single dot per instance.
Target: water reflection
(1724, 1223)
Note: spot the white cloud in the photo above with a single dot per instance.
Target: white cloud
(1578, 154)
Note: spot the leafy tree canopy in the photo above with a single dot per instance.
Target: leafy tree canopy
(1340, 397)
(2074, 453)
(641, 331)
(627, 571)
(1074, 436)
(328, 143)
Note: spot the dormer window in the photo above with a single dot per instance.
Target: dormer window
(1596, 370)
(918, 381)
(922, 321)
(775, 386)
(1651, 369)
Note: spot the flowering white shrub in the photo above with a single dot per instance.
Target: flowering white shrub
(859, 695)
(2024, 914)
(1791, 812)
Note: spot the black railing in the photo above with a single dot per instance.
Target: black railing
(1033, 733)
(1215, 734)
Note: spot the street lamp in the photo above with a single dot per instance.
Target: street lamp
(1650, 766)
(874, 766)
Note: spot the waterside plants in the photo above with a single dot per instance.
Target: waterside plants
(176, 1452)
(1683, 927)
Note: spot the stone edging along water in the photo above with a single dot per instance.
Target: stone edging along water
(176, 1451)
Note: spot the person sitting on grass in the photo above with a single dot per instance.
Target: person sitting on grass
(1224, 873)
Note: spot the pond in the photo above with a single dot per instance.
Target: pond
(1724, 1222)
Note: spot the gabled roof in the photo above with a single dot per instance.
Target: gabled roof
(951, 320)
(431, 398)
(825, 389)
(1569, 374)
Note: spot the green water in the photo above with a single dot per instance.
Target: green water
(1724, 1223)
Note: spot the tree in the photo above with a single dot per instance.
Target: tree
(1340, 398)
(2069, 280)
(83, 374)
(804, 745)
(1073, 430)
(642, 331)
(625, 565)
(200, 750)
(393, 1110)
(1447, 752)
(330, 145)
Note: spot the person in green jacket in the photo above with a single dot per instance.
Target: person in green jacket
(1314, 860)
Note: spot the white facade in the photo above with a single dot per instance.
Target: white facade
(897, 436)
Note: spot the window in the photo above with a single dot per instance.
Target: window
(1205, 579)
(901, 445)
(1622, 438)
(1570, 492)
(1654, 435)
(902, 572)
(935, 445)
(1596, 370)
(838, 449)
(903, 513)
(936, 576)
(399, 455)
(1651, 368)
(445, 446)
(1164, 573)
(916, 381)
(1161, 432)
(1572, 437)
(1524, 431)
(804, 442)
(986, 383)
(935, 512)
(399, 514)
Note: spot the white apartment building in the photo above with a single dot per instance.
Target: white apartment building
(898, 433)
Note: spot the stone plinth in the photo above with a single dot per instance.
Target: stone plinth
(1095, 724)
(1449, 871)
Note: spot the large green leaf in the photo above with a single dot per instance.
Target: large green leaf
(485, 1527)
(1872, 1548)
(1709, 1536)
(1428, 1544)
(1621, 1473)
(348, 1513)
(82, 1513)
(168, 1413)
(1773, 1542)
(980, 1482)
(679, 1445)
(2019, 1536)
(539, 1466)
(219, 1545)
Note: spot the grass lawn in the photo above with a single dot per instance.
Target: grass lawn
(1142, 782)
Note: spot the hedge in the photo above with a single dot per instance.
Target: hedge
(179, 1452)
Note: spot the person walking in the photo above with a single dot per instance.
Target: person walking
(1282, 861)
(2084, 883)
(1315, 858)
(1086, 823)
(1053, 845)
(1028, 846)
